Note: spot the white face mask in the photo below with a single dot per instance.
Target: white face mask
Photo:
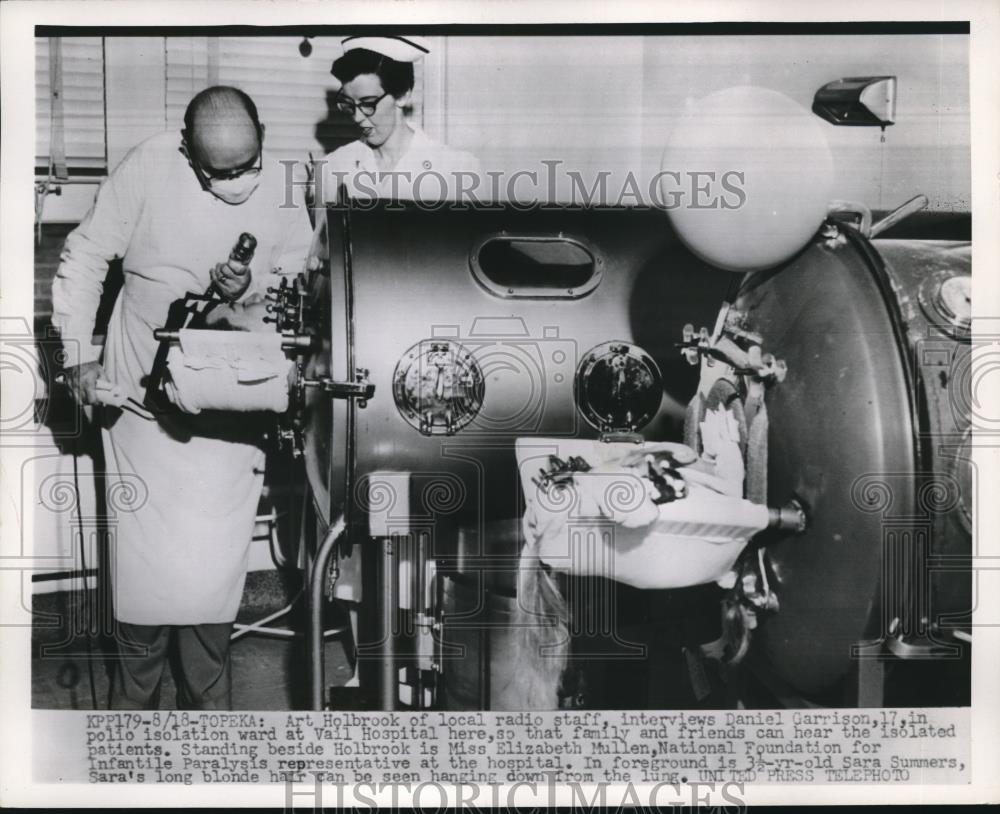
(234, 190)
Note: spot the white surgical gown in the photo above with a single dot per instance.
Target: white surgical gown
(182, 491)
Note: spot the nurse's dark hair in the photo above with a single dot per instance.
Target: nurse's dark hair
(396, 77)
(221, 97)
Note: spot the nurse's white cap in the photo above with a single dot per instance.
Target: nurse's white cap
(401, 49)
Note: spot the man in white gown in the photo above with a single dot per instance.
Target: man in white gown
(172, 210)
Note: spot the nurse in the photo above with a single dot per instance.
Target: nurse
(393, 158)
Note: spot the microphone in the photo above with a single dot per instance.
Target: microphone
(242, 252)
(239, 259)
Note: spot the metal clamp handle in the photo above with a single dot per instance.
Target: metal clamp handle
(360, 388)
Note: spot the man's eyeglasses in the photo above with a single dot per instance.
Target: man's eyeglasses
(345, 104)
(207, 174)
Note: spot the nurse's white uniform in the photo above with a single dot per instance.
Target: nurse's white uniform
(428, 171)
(182, 491)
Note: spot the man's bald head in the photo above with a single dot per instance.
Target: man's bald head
(221, 127)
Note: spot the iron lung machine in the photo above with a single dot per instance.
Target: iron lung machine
(448, 337)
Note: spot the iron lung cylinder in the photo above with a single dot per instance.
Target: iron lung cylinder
(870, 430)
(472, 326)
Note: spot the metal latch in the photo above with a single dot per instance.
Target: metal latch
(288, 306)
(361, 388)
(737, 348)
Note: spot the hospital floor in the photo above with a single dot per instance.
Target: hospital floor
(268, 673)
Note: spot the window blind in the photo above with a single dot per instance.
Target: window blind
(293, 93)
(82, 102)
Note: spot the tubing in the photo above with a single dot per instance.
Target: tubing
(317, 579)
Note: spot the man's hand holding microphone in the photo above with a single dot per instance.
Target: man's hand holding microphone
(88, 383)
(232, 278)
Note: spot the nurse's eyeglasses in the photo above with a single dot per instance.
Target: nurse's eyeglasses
(368, 105)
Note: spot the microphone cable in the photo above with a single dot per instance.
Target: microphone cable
(84, 591)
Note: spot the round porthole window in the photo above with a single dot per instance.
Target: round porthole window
(438, 387)
(618, 387)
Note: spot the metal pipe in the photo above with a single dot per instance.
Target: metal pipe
(240, 630)
(291, 341)
(790, 517)
(485, 642)
(288, 341)
(909, 208)
(388, 609)
(317, 579)
(55, 183)
(418, 610)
